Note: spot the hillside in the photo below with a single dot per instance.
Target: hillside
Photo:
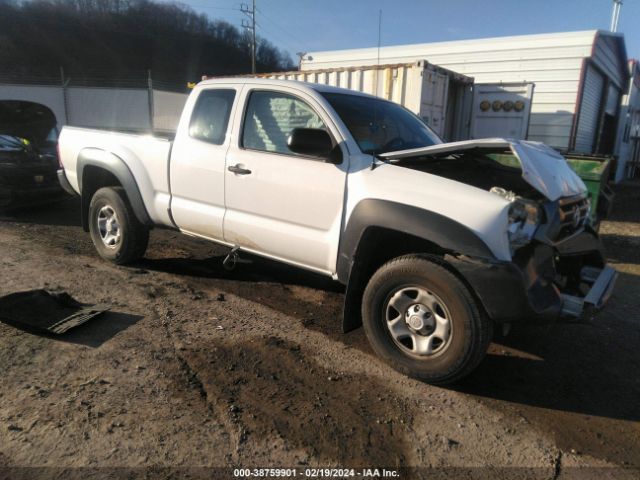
(103, 40)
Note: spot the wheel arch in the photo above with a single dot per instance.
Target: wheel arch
(379, 230)
(97, 168)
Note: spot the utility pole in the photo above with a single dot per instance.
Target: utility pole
(615, 15)
(250, 26)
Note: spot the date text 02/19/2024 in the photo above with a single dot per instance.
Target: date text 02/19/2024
(315, 473)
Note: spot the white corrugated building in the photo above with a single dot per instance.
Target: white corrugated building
(577, 80)
(628, 145)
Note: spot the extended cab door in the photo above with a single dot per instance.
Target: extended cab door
(282, 204)
(197, 167)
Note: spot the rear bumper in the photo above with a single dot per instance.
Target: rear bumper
(25, 184)
(544, 283)
(14, 197)
(64, 183)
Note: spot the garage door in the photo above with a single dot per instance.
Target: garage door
(590, 107)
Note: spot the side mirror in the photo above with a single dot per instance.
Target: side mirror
(315, 142)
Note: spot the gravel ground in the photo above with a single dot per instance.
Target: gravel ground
(199, 367)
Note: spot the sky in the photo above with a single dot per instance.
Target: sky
(313, 25)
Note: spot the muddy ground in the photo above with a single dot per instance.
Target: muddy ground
(199, 367)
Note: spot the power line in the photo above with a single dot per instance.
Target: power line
(279, 39)
(276, 24)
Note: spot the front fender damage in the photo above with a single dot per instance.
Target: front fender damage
(544, 283)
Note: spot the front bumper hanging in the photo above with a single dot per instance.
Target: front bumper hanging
(532, 288)
(602, 283)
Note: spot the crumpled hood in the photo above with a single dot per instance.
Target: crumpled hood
(542, 167)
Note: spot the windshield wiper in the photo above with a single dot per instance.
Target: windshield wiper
(376, 160)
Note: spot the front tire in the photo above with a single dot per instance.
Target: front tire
(423, 321)
(117, 234)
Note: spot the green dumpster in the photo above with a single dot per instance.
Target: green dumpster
(594, 172)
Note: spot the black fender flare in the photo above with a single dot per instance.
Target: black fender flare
(447, 234)
(119, 169)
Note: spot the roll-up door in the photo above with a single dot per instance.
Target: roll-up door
(590, 107)
(609, 125)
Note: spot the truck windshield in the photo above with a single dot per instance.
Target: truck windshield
(380, 126)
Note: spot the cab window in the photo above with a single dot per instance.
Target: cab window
(271, 116)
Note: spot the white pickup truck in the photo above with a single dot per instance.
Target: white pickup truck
(434, 241)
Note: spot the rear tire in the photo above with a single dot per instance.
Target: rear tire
(117, 234)
(423, 321)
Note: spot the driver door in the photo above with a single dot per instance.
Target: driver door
(285, 205)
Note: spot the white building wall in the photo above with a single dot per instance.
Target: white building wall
(628, 146)
(552, 61)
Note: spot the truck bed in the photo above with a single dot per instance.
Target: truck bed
(146, 156)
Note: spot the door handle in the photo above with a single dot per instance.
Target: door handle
(239, 169)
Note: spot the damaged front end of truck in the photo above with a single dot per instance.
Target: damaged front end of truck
(557, 268)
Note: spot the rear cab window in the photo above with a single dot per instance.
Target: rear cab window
(210, 117)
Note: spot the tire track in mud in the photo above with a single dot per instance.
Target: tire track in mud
(284, 401)
(192, 379)
(275, 398)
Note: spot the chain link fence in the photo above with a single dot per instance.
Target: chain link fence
(94, 101)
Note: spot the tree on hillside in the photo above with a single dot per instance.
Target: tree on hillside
(122, 39)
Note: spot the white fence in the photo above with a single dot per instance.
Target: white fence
(104, 107)
(108, 108)
(167, 107)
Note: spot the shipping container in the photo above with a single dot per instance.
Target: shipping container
(441, 97)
